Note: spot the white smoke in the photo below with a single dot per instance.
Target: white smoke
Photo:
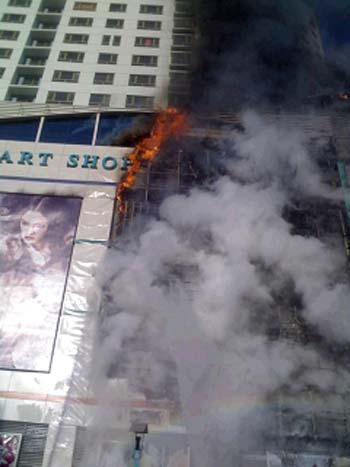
(200, 286)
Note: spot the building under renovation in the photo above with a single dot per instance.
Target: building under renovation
(316, 435)
(79, 83)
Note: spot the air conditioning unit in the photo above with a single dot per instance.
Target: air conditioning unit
(46, 10)
(27, 61)
(20, 80)
(34, 42)
(40, 26)
(13, 99)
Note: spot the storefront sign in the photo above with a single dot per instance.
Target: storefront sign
(83, 161)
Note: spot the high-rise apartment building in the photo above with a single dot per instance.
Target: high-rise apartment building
(100, 53)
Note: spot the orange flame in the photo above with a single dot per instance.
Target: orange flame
(168, 123)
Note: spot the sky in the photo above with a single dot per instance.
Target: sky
(334, 17)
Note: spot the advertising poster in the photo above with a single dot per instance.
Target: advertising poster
(10, 444)
(36, 240)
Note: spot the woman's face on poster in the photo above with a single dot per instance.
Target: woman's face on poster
(33, 228)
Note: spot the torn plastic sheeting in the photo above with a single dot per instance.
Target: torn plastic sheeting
(95, 219)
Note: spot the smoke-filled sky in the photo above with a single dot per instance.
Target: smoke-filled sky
(258, 52)
(334, 17)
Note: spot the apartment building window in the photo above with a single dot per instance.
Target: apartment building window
(142, 80)
(151, 9)
(76, 38)
(147, 42)
(58, 97)
(5, 53)
(85, 6)
(183, 23)
(2, 71)
(182, 40)
(107, 59)
(103, 78)
(66, 76)
(115, 23)
(139, 101)
(9, 35)
(183, 7)
(80, 21)
(100, 99)
(106, 40)
(11, 18)
(75, 57)
(31, 60)
(151, 25)
(180, 58)
(22, 3)
(144, 60)
(119, 7)
(116, 40)
(179, 79)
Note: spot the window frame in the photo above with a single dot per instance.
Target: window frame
(133, 82)
(187, 40)
(121, 10)
(55, 80)
(100, 104)
(134, 105)
(145, 6)
(155, 42)
(88, 19)
(110, 21)
(114, 41)
(13, 31)
(108, 82)
(21, 17)
(79, 54)
(104, 42)
(85, 36)
(99, 57)
(145, 25)
(136, 60)
(7, 54)
(14, 3)
(60, 101)
(181, 54)
(93, 4)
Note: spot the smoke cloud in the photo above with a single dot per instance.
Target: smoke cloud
(191, 301)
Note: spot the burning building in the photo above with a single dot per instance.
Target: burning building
(181, 269)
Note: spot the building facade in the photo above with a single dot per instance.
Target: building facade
(108, 54)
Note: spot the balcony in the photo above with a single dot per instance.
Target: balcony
(50, 11)
(29, 80)
(33, 61)
(44, 26)
(41, 35)
(21, 93)
(37, 43)
(52, 6)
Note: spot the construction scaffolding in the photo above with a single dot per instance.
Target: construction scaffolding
(315, 437)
